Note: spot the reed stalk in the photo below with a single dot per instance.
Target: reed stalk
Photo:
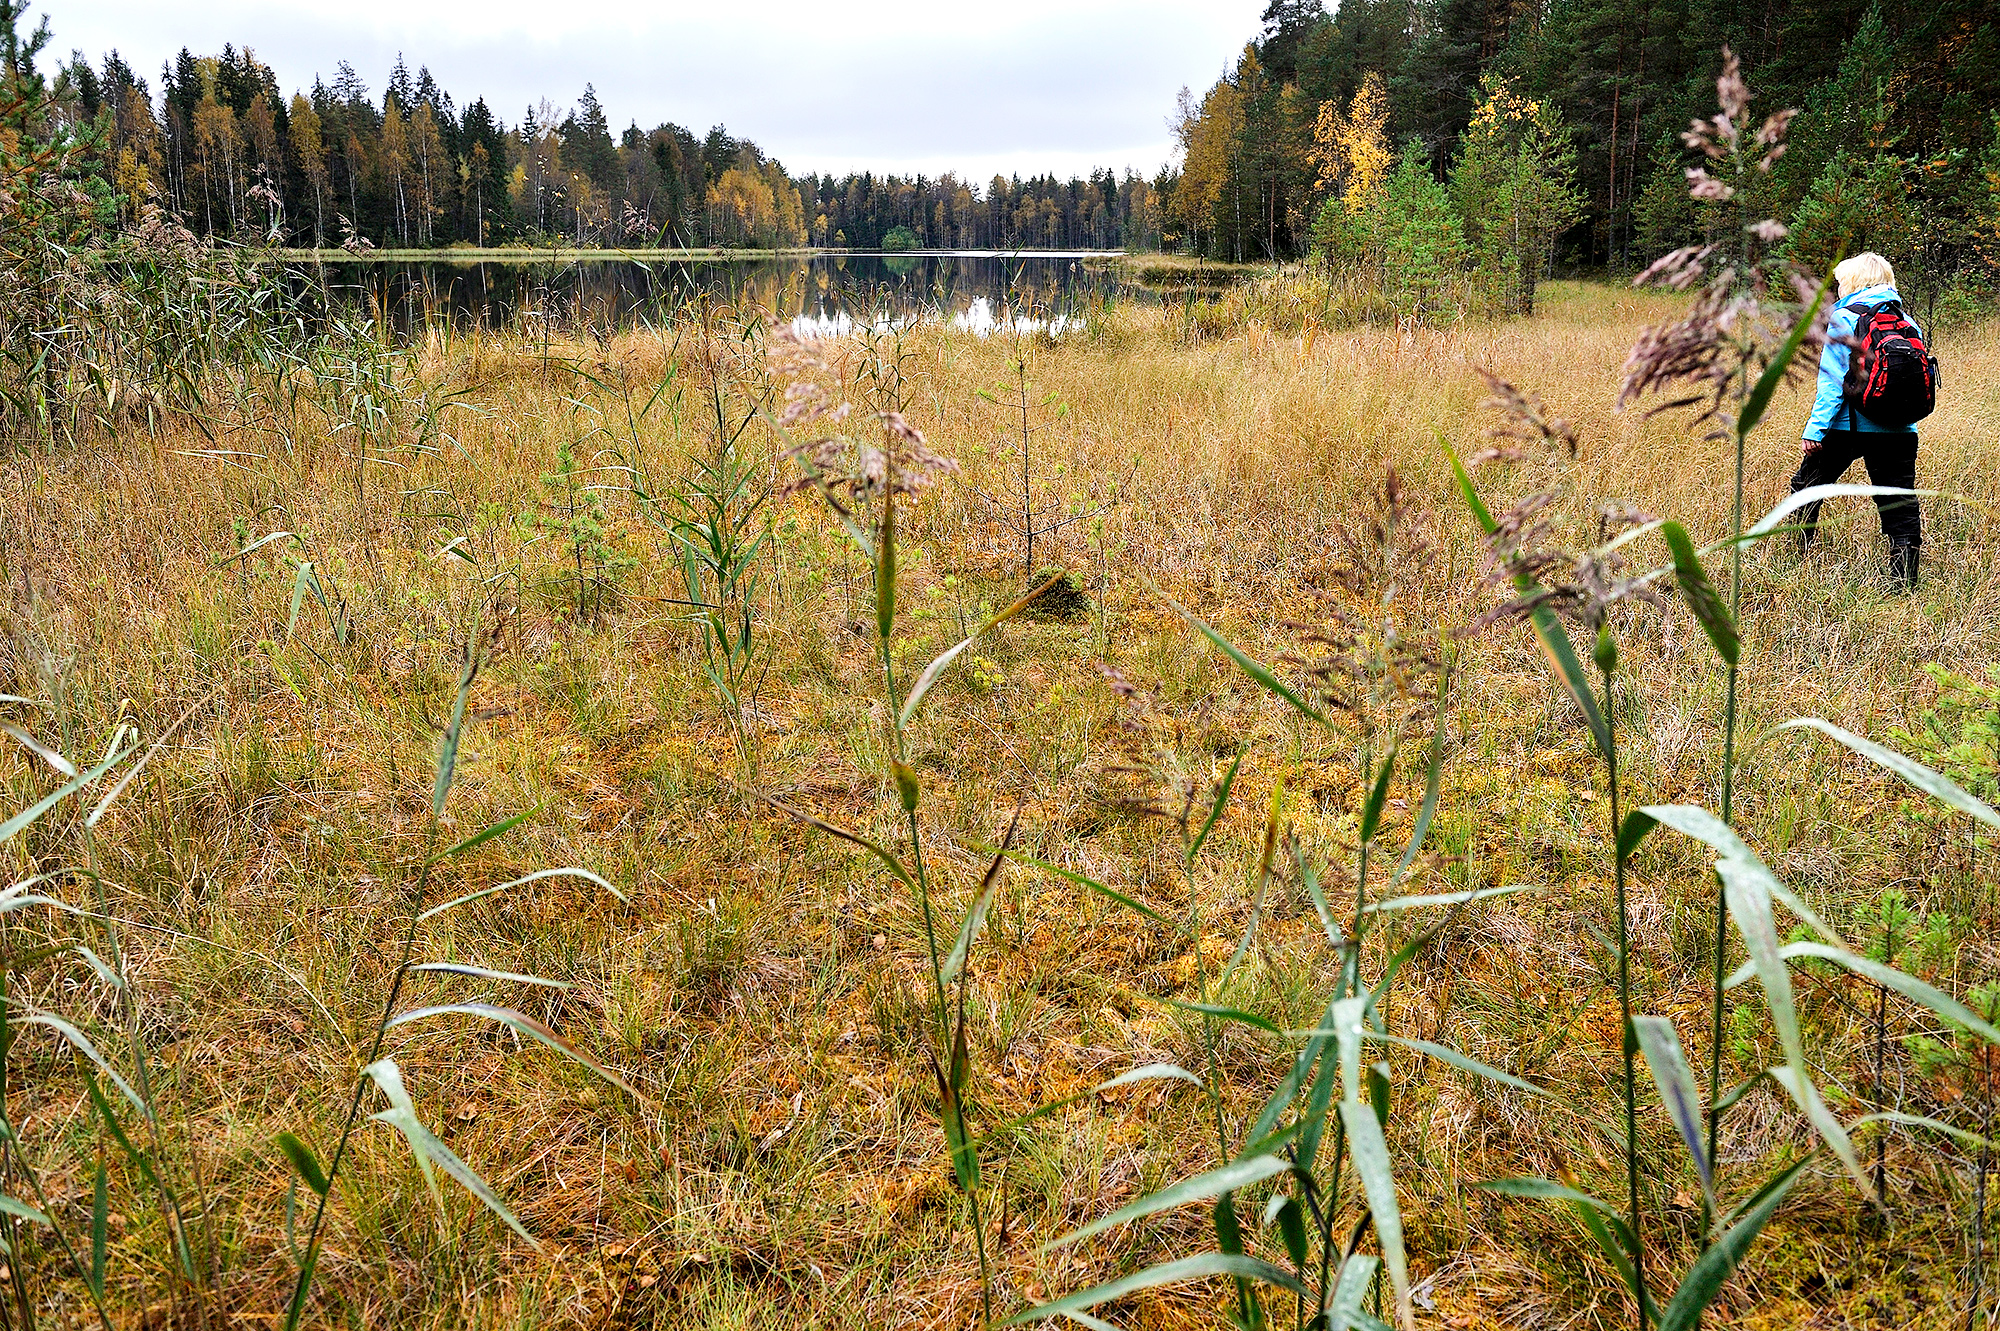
(1607, 665)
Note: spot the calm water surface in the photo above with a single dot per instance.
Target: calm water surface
(822, 293)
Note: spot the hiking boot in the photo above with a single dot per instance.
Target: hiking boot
(1903, 560)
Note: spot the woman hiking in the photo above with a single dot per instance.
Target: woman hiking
(1876, 380)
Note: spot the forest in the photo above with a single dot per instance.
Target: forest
(223, 147)
(1896, 147)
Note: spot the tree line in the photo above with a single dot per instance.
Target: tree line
(1571, 112)
(221, 146)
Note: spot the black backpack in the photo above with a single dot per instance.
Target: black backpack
(1892, 377)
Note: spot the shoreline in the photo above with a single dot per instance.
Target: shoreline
(523, 254)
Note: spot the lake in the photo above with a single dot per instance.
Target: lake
(823, 293)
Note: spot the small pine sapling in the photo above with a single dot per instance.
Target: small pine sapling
(589, 565)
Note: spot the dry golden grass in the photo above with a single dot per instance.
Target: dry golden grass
(765, 987)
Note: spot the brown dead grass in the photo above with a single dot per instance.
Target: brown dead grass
(764, 986)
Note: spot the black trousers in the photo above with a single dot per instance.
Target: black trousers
(1892, 461)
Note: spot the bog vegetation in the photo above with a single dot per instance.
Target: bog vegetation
(1129, 820)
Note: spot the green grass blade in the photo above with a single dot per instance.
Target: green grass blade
(100, 967)
(1549, 632)
(1445, 1054)
(1705, 1278)
(1347, 1028)
(1629, 536)
(1614, 1239)
(20, 1210)
(83, 1046)
(1561, 654)
(1084, 1319)
(482, 973)
(1971, 1140)
(100, 1226)
(1150, 1072)
(1757, 1198)
(1661, 1044)
(1543, 1189)
(1370, 1151)
(428, 1149)
(1221, 1013)
(481, 838)
(1180, 1271)
(1215, 807)
(1935, 784)
(1907, 985)
(1423, 900)
(521, 1024)
(388, 1078)
(975, 919)
(1271, 1143)
(304, 1161)
(1426, 811)
(894, 865)
(1807, 1097)
(1378, 795)
(1229, 1238)
(1256, 670)
(1091, 883)
(1402, 955)
(929, 677)
(1746, 884)
(1599, 1219)
(1291, 1222)
(1200, 1187)
(1774, 374)
(937, 666)
(1703, 600)
(1288, 1085)
(298, 595)
(1312, 1123)
(447, 759)
(958, 1138)
(159, 740)
(567, 871)
(1792, 503)
(1350, 1288)
(1750, 907)
(1633, 831)
(1734, 1096)
(1480, 513)
(885, 567)
(117, 1129)
(1271, 823)
(1309, 875)
(1704, 826)
(251, 548)
(63, 766)
(13, 826)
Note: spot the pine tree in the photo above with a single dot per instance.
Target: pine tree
(1514, 184)
(1419, 236)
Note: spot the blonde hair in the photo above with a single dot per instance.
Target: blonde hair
(1862, 271)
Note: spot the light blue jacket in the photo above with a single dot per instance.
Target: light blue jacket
(1830, 407)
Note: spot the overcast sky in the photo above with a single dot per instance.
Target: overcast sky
(887, 85)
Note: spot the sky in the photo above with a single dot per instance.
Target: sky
(1019, 86)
